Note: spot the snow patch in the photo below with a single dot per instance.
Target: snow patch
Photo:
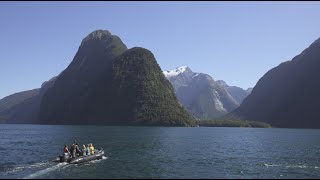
(217, 103)
(195, 75)
(175, 72)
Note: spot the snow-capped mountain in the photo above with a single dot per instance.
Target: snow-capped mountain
(180, 76)
(200, 94)
(175, 72)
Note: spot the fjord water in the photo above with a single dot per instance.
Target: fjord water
(161, 152)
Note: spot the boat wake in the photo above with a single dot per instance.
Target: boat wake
(14, 170)
(290, 166)
(47, 170)
(39, 169)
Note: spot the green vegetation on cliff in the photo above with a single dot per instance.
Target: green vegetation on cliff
(232, 123)
(143, 94)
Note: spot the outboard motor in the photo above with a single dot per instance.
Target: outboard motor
(65, 157)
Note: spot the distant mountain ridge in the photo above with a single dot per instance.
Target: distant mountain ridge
(16, 98)
(23, 107)
(201, 95)
(237, 93)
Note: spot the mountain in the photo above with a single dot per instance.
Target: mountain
(23, 107)
(142, 94)
(203, 97)
(287, 95)
(18, 105)
(237, 93)
(108, 84)
(17, 98)
(104, 84)
(180, 76)
(75, 86)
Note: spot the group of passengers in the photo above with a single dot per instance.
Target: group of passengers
(75, 151)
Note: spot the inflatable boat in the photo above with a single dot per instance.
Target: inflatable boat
(98, 154)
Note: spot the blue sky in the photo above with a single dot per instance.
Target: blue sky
(234, 41)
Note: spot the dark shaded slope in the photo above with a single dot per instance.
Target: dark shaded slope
(287, 95)
(68, 100)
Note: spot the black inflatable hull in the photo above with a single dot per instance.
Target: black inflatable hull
(81, 159)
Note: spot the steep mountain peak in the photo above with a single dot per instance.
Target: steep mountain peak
(176, 71)
(97, 36)
(96, 52)
(182, 67)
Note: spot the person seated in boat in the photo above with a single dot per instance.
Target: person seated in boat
(73, 151)
(78, 151)
(88, 150)
(91, 149)
(65, 149)
(84, 150)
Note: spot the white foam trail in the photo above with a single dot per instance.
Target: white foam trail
(296, 166)
(44, 171)
(302, 166)
(270, 165)
(98, 160)
(26, 166)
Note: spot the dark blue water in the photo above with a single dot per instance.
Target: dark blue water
(162, 152)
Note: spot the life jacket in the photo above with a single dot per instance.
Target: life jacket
(91, 150)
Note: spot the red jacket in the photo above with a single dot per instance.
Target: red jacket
(65, 149)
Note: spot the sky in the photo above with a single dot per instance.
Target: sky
(237, 42)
